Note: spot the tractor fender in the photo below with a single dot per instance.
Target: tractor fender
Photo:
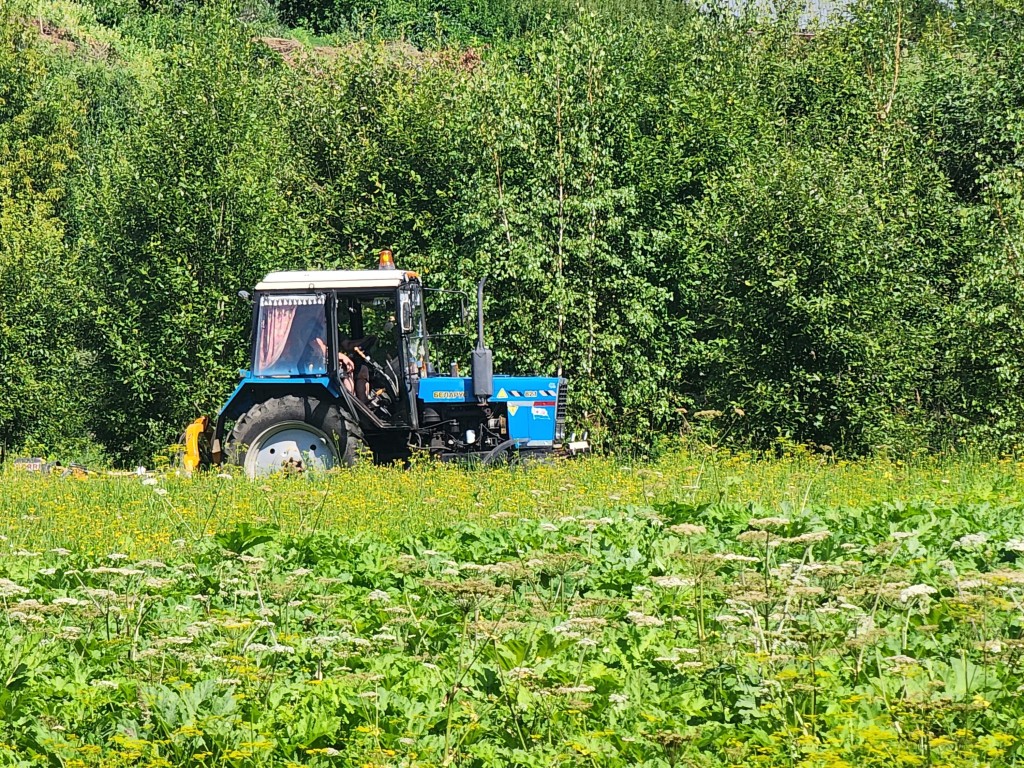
(251, 391)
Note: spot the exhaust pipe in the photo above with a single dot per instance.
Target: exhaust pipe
(483, 360)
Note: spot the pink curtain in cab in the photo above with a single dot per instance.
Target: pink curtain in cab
(276, 325)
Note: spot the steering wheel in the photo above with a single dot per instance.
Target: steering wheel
(380, 372)
(351, 345)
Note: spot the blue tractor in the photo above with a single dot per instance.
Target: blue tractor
(341, 364)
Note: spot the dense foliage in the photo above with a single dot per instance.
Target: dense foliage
(683, 211)
(556, 623)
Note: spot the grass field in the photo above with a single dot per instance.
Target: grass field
(146, 516)
(701, 610)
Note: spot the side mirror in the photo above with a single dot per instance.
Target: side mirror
(405, 313)
(244, 295)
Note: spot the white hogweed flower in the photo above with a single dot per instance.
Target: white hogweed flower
(643, 620)
(9, 589)
(768, 522)
(915, 591)
(671, 582)
(971, 541)
(687, 529)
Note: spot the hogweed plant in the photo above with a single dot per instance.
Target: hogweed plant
(561, 627)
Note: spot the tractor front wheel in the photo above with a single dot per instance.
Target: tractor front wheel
(291, 434)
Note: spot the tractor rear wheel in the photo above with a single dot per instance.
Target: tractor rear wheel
(292, 433)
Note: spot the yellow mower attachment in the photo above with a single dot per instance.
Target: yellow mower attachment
(194, 433)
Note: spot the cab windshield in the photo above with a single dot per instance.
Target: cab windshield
(291, 335)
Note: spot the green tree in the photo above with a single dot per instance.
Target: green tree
(190, 202)
(45, 394)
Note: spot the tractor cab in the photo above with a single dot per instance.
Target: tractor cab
(360, 333)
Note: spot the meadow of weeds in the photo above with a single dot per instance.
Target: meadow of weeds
(702, 610)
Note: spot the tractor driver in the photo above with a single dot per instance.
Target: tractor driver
(354, 373)
(352, 366)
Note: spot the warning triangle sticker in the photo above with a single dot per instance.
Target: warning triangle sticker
(502, 393)
(512, 409)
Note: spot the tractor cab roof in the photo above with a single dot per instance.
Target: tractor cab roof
(343, 279)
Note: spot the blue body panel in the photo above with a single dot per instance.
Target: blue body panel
(531, 402)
